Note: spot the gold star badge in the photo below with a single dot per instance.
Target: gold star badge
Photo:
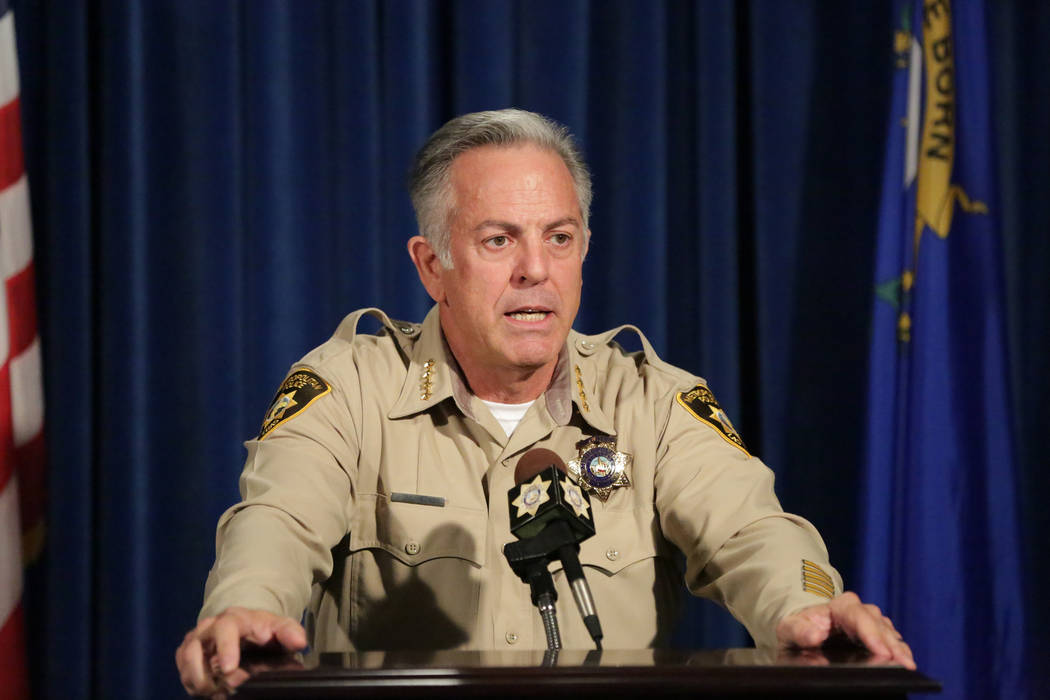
(532, 496)
(574, 497)
(600, 467)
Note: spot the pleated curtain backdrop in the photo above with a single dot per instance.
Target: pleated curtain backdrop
(215, 184)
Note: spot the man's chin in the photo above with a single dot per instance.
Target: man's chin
(532, 364)
(533, 353)
(533, 361)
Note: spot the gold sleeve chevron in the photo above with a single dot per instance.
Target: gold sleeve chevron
(816, 581)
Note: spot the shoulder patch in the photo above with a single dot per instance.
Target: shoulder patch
(299, 390)
(702, 405)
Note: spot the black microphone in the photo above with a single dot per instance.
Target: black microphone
(550, 515)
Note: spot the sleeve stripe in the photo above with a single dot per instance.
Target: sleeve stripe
(817, 581)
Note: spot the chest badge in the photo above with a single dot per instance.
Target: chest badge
(600, 468)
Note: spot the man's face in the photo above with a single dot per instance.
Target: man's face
(517, 245)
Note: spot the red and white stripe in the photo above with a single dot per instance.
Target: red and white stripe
(21, 394)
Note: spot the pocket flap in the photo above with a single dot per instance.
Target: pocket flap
(621, 538)
(416, 532)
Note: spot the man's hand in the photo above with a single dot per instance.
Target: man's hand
(210, 654)
(811, 627)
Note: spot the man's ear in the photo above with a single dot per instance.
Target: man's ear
(586, 245)
(428, 266)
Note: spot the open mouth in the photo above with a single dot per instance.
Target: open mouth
(532, 315)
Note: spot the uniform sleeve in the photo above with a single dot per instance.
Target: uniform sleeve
(297, 494)
(716, 504)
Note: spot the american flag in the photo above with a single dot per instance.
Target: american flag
(21, 394)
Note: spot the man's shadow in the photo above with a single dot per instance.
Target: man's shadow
(415, 613)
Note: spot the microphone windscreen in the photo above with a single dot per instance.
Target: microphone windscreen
(534, 461)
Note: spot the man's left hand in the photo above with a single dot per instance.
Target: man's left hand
(863, 623)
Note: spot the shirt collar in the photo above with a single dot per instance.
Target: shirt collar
(434, 375)
(577, 377)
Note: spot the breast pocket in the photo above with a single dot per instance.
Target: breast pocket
(621, 539)
(632, 575)
(415, 575)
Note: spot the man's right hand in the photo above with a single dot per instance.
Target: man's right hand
(210, 654)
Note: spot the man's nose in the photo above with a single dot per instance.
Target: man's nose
(533, 262)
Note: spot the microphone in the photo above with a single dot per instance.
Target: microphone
(550, 515)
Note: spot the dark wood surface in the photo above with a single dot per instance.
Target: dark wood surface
(731, 673)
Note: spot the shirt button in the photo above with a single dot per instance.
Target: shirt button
(412, 548)
(612, 554)
(512, 638)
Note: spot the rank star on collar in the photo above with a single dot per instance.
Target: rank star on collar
(532, 496)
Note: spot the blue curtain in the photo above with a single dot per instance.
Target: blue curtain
(216, 183)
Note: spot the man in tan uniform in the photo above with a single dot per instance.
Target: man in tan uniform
(374, 498)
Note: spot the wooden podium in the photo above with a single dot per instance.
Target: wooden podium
(648, 673)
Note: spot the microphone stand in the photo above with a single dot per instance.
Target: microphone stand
(529, 559)
(547, 529)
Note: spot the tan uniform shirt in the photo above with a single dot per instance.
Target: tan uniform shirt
(381, 506)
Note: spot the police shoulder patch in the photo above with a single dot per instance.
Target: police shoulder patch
(299, 390)
(702, 405)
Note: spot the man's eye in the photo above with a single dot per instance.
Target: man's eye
(561, 239)
(497, 241)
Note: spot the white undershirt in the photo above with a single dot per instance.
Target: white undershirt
(508, 414)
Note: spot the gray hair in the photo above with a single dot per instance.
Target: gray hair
(428, 181)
